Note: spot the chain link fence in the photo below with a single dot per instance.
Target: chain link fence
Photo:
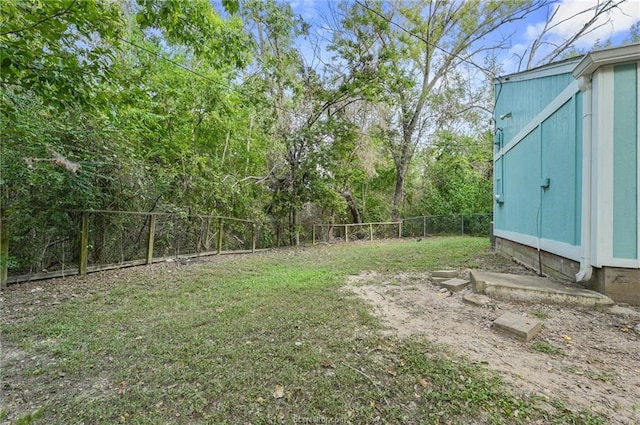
(441, 225)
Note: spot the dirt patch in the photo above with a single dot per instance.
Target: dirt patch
(588, 358)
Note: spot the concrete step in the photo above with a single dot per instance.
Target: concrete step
(449, 274)
(477, 300)
(534, 289)
(517, 325)
(455, 285)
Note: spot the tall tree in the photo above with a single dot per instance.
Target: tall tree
(416, 51)
(547, 48)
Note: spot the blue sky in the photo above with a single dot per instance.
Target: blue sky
(525, 31)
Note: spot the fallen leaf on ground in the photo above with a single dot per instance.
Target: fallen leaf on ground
(278, 391)
(422, 382)
(326, 363)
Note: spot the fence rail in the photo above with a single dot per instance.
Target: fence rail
(349, 232)
(63, 243)
(100, 240)
(456, 224)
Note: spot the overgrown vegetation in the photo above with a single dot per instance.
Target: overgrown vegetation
(267, 338)
(244, 109)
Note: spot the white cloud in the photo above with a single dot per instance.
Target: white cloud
(569, 18)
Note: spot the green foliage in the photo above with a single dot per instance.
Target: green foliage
(59, 49)
(457, 177)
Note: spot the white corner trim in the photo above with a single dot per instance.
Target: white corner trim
(638, 161)
(602, 199)
(555, 104)
(572, 252)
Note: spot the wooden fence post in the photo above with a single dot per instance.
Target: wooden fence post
(254, 235)
(220, 224)
(4, 249)
(371, 232)
(84, 243)
(462, 224)
(400, 229)
(346, 233)
(150, 238)
(313, 234)
(424, 226)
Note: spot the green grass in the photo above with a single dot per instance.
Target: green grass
(212, 342)
(542, 315)
(545, 347)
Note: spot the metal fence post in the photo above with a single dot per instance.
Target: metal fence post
(84, 243)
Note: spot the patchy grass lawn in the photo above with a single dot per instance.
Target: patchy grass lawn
(261, 339)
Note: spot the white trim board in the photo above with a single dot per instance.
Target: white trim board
(638, 161)
(572, 252)
(602, 188)
(555, 104)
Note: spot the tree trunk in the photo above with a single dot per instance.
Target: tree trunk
(352, 203)
(398, 194)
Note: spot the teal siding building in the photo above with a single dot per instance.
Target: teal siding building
(566, 169)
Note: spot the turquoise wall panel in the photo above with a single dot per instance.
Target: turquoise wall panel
(625, 161)
(521, 170)
(560, 164)
(499, 213)
(526, 99)
(578, 182)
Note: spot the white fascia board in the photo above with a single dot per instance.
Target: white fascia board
(555, 104)
(594, 60)
(572, 252)
(557, 68)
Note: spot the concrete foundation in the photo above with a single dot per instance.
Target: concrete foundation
(620, 284)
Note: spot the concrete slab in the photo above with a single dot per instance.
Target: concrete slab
(439, 280)
(449, 274)
(477, 300)
(535, 289)
(455, 285)
(521, 327)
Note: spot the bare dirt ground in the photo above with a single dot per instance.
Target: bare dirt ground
(596, 359)
(596, 366)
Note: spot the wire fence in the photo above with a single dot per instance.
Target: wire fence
(76, 242)
(334, 233)
(50, 244)
(441, 225)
